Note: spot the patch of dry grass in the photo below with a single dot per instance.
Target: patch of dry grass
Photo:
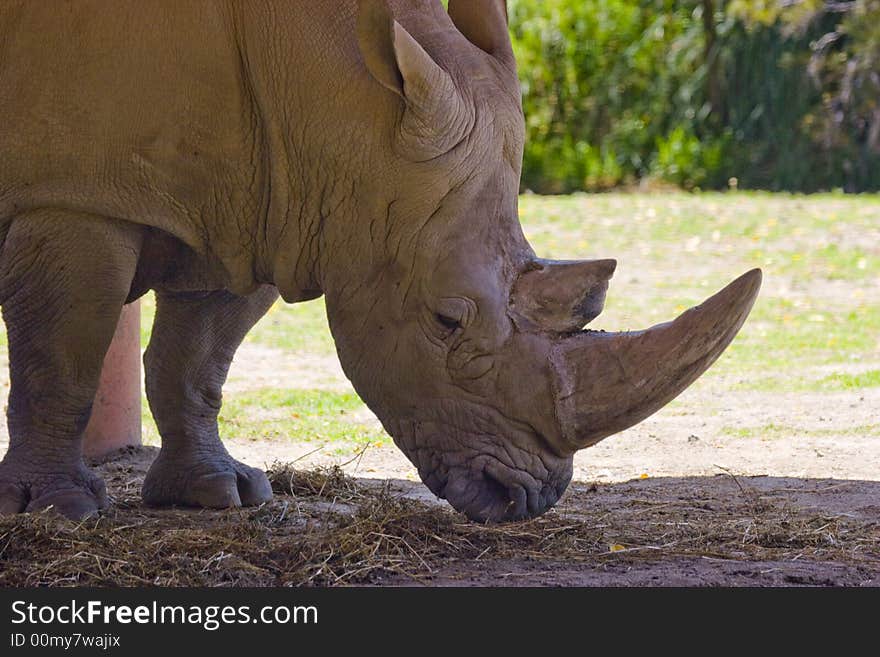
(325, 528)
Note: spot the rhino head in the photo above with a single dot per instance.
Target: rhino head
(470, 349)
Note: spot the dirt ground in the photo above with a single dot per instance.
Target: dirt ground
(673, 501)
(325, 528)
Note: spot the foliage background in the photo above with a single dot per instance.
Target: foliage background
(768, 94)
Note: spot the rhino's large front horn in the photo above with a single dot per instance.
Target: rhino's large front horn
(604, 383)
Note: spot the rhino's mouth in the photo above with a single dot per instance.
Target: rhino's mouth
(498, 494)
(485, 472)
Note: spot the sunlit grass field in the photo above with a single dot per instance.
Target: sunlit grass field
(820, 304)
(815, 326)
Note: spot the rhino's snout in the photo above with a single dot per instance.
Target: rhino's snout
(488, 467)
(487, 498)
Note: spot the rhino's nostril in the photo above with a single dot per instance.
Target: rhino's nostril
(518, 503)
(484, 497)
(435, 483)
(504, 501)
(492, 487)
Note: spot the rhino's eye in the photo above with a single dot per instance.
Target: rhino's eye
(447, 322)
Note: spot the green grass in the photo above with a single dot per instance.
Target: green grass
(148, 313)
(782, 343)
(828, 236)
(870, 379)
(830, 261)
(773, 431)
(300, 327)
(324, 417)
(312, 415)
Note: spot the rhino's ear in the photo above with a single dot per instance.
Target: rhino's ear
(436, 116)
(484, 24)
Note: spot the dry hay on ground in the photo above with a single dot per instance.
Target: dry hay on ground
(325, 528)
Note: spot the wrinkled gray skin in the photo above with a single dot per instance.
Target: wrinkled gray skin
(369, 152)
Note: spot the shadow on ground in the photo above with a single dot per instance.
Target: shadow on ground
(325, 528)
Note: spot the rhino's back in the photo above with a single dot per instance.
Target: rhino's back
(127, 108)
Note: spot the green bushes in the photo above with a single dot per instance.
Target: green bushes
(685, 160)
(616, 91)
(597, 77)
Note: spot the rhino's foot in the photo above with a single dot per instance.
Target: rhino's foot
(212, 481)
(76, 495)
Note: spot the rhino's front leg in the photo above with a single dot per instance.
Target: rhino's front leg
(194, 338)
(64, 277)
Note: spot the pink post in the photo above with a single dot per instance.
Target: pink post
(116, 414)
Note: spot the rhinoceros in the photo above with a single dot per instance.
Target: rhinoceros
(220, 153)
